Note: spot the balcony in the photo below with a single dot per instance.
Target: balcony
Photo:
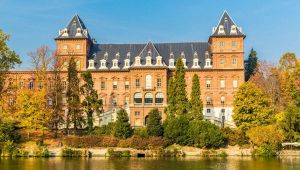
(149, 89)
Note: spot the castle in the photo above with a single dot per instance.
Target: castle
(135, 76)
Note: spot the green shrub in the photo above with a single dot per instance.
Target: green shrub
(154, 125)
(113, 153)
(122, 128)
(68, 152)
(176, 129)
(266, 150)
(141, 132)
(41, 152)
(235, 136)
(8, 132)
(104, 130)
(11, 150)
(205, 134)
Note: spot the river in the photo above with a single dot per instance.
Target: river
(99, 163)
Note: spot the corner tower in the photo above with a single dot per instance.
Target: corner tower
(73, 41)
(227, 44)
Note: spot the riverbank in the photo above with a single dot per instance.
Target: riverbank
(170, 151)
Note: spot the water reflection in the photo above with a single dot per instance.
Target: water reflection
(230, 163)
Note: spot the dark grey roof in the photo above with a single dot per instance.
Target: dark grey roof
(161, 49)
(226, 22)
(72, 27)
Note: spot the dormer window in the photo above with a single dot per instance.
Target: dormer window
(171, 61)
(115, 64)
(158, 61)
(65, 33)
(195, 60)
(78, 32)
(148, 61)
(127, 63)
(221, 30)
(149, 53)
(137, 61)
(91, 64)
(103, 64)
(183, 59)
(207, 63)
(233, 29)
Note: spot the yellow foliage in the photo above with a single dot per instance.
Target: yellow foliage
(270, 134)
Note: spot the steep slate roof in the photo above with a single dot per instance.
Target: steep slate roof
(227, 22)
(162, 49)
(75, 23)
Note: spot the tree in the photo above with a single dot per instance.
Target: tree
(251, 107)
(176, 129)
(73, 97)
(251, 64)
(8, 131)
(289, 121)
(288, 61)
(195, 100)
(91, 103)
(171, 98)
(205, 134)
(154, 125)
(56, 95)
(8, 60)
(32, 110)
(181, 100)
(267, 138)
(122, 126)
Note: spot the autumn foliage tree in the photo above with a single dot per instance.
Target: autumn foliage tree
(251, 107)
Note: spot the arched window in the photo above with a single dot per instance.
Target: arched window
(138, 98)
(148, 98)
(159, 98)
(148, 81)
(208, 100)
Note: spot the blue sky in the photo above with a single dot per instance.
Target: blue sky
(272, 26)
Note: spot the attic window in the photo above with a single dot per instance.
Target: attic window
(149, 53)
(182, 54)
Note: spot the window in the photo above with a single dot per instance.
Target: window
(102, 85)
(158, 83)
(148, 98)
(234, 44)
(234, 83)
(136, 113)
(40, 85)
(222, 84)
(77, 46)
(30, 86)
(114, 101)
(11, 101)
(65, 47)
(137, 83)
(208, 100)
(137, 98)
(234, 61)
(127, 84)
(195, 63)
(208, 111)
(64, 85)
(222, 99)
(207, 84)
(148, 81)
(50, 102)
(159, 98)
(126, 101)
(21, 84)
(115, 85)
(221, 44)
(222, 61)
